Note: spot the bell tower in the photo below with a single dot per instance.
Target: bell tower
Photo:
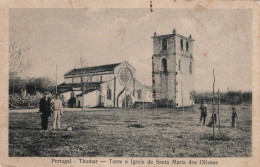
(170, 52)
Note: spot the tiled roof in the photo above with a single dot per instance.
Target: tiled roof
(93, 69)
(64, 87)
(87, 91)
(76, 85)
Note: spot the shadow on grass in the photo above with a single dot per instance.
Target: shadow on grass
(219, 136)
(136, 126)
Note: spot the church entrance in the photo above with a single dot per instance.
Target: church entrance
(127, 101)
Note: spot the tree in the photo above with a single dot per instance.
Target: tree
(234, 97)
(17, 68)
(17, 85)
(17, 64)
(41, 84)
(247, 97)
(81, 63)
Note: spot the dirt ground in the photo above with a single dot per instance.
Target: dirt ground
(150, 133)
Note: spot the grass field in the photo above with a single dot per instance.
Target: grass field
(108, 133)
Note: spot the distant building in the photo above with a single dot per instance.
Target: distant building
(172, 69)
(111, 85)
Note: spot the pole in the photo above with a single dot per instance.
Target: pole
(56, 91)
(13, 87)
(125, 99)
(143, 107)
(213, 111)
(218, 109)
(142, 113)
(167, 103)
(155, 108)
(83, 91)
(182, 100)
(130, 112)
(173, 104)
(82, 85)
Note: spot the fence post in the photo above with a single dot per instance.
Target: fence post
(213, 113)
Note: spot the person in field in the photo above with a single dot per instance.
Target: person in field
(45, 110)
(214, 117)
(234, 117)
(203, 113)
(57, 109)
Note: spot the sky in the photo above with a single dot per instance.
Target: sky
(223, 41)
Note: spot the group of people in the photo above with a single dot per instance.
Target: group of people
(204, 113)
(54, 107)
(50, 107)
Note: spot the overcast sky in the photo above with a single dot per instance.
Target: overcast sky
(104, 36)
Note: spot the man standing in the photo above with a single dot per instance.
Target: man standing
(56, 106)
(45, 110)
(234, 117)
(203, 109)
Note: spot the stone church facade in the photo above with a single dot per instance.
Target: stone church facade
(172, 69)
(111, 85)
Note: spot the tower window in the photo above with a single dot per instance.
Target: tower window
(101, 78)
(190, 68)
(181, 44)
(109, 94)
(187, 46)
(179, 64)
(164, 44)
(164, 65)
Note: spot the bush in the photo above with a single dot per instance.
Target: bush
(27, 101)
(31, 85)
(230, 97)
(219, 136)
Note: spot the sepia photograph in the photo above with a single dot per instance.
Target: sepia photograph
(130, 82)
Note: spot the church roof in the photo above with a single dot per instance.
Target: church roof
(64, 87)
(145, 86)
(87, 91)
(93, 69)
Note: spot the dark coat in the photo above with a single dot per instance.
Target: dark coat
(45, 108)
(204, 109)
(234, 115)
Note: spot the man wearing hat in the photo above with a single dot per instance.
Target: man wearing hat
(45, 110)
(203, 114)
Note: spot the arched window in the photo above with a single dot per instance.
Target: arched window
(190, 68)
(164, 44)
(109, 94)
(187, 46)
(164, 65)
(181, 44)
(139, 93)
(179, 64)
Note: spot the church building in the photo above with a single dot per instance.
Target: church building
(172, 70)
(111, 85)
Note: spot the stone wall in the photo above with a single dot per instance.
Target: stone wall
(174, 85)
